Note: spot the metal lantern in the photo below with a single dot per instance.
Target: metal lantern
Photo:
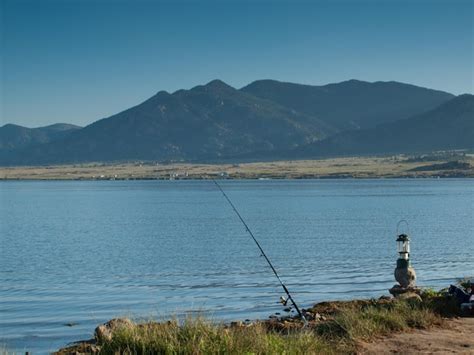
(403, 246)
(404, 272)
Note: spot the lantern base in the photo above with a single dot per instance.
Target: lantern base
(405, 292)
(405, 276)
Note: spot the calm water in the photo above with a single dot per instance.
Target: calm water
(84, 252)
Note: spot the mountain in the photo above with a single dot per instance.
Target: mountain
(207, 122)
(351, 104)
(266, 119)
(447, 127)
(13, 137)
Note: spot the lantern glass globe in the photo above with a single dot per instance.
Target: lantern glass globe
(403, 246)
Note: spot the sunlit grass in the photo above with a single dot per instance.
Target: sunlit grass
(200, 336)
(346, 324)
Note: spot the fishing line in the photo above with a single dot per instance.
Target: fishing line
(261, 250)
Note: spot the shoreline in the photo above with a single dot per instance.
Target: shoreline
(394, 177)
(337, 168)
(356, 326)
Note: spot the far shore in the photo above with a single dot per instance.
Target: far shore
(398, 166)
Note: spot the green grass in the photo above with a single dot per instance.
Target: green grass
(346, 323)
(365, 323)
(200, 336)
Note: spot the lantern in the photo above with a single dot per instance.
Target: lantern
(404, 272)
(403, 246)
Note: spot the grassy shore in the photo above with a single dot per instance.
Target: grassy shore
(357, 167)
(334, 327)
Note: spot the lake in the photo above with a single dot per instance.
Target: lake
(77, 253)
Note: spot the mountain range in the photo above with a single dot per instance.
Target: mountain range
(266, 119)
(449, 126)
(13, 137)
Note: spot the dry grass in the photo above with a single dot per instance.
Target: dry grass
(360, 167)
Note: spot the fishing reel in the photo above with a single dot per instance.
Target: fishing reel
(284, 302)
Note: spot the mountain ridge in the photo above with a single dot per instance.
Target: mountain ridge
(207, 121)
(449, 126)
(14, 136)
(216, 121)
(365, 102)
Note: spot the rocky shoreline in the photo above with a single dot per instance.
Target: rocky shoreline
(323, 319)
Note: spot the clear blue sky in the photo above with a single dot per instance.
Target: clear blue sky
(77, 61)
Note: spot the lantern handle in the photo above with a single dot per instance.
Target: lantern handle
(398, 226)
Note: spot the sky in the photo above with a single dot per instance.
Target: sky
(77, 61)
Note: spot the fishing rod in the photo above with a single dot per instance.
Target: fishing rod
(263, 253)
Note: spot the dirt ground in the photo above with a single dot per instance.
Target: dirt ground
(457, 337)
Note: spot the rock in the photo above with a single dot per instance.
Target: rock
(397, 291)
(86, 347)
(405, 276)
(412, 296)
(104, 332)
(308, 315)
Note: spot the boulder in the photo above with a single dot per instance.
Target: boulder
(404, 292)
(412, 296)
(405, 276)
(104, 332)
